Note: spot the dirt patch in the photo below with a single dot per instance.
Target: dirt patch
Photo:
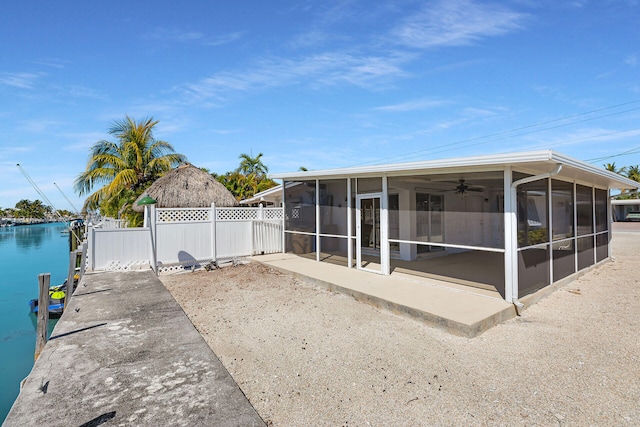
(307, 356)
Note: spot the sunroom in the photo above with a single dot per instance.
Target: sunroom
(511, 223)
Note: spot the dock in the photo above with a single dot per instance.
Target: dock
(124, 353)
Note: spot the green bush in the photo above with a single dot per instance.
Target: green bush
(533, 237)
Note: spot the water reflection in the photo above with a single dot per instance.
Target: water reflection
(28, 236)
(34, 321)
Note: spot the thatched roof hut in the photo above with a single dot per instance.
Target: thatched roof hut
(187, 187)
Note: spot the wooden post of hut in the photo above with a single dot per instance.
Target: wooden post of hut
(43, 313)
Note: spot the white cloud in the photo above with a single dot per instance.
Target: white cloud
(80, 141)
(20, 80)
(421, 104)
(456, 23)
(327, 68)
(52, 62)
(40, 125)
(179, 36)
(174, 35)
(224, 39)
(78, 91)
(631, 60)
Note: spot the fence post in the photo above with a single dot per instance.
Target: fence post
(73, 260)
(91, 249)
(154, 237)
(213, 233)
(43, 313)
(83, 258)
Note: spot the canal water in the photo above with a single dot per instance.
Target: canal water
(25, 252)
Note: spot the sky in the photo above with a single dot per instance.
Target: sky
(319, 84)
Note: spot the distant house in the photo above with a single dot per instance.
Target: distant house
(513, 223)
(621, 208)
(271, 197)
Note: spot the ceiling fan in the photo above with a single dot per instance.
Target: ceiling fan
(463, 188)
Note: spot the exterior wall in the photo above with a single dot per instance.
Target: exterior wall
(560, 227)
(464, 222)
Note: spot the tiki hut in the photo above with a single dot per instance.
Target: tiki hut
(187, 187)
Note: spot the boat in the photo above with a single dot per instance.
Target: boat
(57, 295)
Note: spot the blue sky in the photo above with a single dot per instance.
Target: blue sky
(315, 84)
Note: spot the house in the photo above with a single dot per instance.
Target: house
(621, 208)
(512, 223)
(271, 197)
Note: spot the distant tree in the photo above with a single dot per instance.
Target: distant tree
(611, 167)
(240, 185)
(302, 169)
(248, 179)
(27, 209)
(252, 165)
(265, 184)
(633, 172)
(127, 167)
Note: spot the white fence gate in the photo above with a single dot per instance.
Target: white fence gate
(180, 238)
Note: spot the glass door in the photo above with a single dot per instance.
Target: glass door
(368, 232)
(429, 208)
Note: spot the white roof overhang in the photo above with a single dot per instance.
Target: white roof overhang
(626, 202)
(533, 162)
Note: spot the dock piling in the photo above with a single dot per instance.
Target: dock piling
(43, 313)
(77, 260)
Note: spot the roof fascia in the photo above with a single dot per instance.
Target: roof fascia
(474, 163)
(432, 166)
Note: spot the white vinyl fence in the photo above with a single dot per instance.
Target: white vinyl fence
(182, 238)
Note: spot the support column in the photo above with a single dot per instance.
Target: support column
(284, 213)
(550, 227)
(575, 226)
(609, 220)
(349, 225)
(384, 228)
(318, 220)
(510, 239)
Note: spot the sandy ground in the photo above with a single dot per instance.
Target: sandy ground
(306, 356)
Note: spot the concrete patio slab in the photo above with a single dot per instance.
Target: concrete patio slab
(449, 307)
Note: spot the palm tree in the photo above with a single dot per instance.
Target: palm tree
(252, 165)
(633, 172)
(132, 163)
(611, 167)
(241, 186)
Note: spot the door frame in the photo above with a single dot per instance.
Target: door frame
(383, 226)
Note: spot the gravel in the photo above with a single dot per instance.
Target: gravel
(307, 356)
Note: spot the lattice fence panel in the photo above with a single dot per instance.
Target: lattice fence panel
(183, 215)
(126, 266)
(235, 214)
(273, 213)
